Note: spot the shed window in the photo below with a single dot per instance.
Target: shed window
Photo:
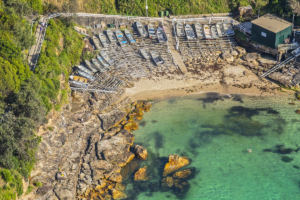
(264, 34)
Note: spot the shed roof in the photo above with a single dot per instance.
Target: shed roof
(272, 23)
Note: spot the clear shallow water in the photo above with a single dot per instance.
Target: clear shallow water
(215, 131)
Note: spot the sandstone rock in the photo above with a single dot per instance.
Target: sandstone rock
(102, 183)
(182, 174)
(241, 51)
(227, 57)
(120, 187)
(115, 177)
(101, 165)
(52, 197)
(131, 125)
(64, 193)
(145, 105)
(111, 119)
(44, 189)
(284, 79)
(234, 54)
(141, 174)
(268, 61)
(167, 182)
(298, 111)
(254, 62)
(293, 70)
(107, 197)
(140, 152)
(175, 162)
(252, 56)
(246, 73)
(182, 187)
(118, 195)
(97, 174)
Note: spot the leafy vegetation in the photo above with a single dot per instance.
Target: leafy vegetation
(13, 184)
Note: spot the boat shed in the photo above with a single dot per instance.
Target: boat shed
(270, 30)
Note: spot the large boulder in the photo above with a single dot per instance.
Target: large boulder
(284, 79)
(140, 152)
(145, 105)
(118, 195)
(227, 57)
(182, 174)
(241, 51)
(175, 162)
(141, 174)
(112, 119)
(252, 56)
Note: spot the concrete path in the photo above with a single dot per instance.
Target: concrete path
(178, 61)
(35, 49)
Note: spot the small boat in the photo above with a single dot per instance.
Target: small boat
(112, 38)
(220, 29)
(82, 68)
(161, 35)
(180, 30)
(103, 40)
(85, 75)
(78, 78)
(144, 54)
(102, 61)
(90, 66)
(79, 84)
(97, 65)
(121, 38)
(96, 42)
(228, 29)
(129, 37)
(214, 32)
(151, 31)
(141, 29)
(156, 58)
(106, 57)
(190, 34)
(207, 32)
(199, 31)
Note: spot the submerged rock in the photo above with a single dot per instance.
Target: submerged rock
(141, 174)
(182, 174)
(140, 152)
(118, 194)
(167, 182)
(131, 125)
(286, 159)
(175, 162)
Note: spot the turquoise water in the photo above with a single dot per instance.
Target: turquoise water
(215, 131)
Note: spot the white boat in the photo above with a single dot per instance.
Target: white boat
(180, 30)
(78, 84)
(97, 65)
(141, 29)
(214, 32)
(151, 30)
(82, 68)
(190, 34)
(156, 58)
(96, 42)
(106, 57)
(161, 35)
(112, 38)
(207, 32)
(199, 31)
(102, 61)
(129, 37)
(103, 40)
(228, 29)
(144, 54)
(121, 38)
(85, 75)
(90, 66)
(220, 29)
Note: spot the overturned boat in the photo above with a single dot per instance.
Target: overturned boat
(103, 40)
(190, 34)
(156, 58)
(151, 30)
(96, 42)
(82, 68)
(228, 29)
(106, 57)
(129, 37)
(112, 38)
(102, 61)
(161, 35)
(144, 54)
(90, 66)
(180, 30)
(78, 84)
(141, 29)
(214, 32)
(97, 65)
(207, 32)
(121, 38)
(78, 78)
(85, 75)
(199, 31)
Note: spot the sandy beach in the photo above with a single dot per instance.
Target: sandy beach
(231, 79)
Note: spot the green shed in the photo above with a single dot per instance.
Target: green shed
(270, 30)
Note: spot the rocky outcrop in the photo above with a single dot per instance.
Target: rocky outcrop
(227, 57)
(284, 79)
(141, 174)
(252, 56)
(175, 162)
(140, 152)
(167, 181)
(116, 195)
(111, 119)
(182, 174)
(241, 51)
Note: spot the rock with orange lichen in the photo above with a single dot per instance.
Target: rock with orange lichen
(141, 174)
(145, 105)
(138, 113)
(140, 152)
(120, 187)
(131, 125)
(182, 187)
(182, 174)
(115, 177)
(116, 195)
(167, 182)
(175, 162)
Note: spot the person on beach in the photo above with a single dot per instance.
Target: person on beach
(41, 29)
(249, 150)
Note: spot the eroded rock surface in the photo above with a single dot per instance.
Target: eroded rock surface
(140, 152)
(141, 174)
(175, 162)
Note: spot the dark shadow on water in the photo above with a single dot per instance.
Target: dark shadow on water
(238, 98)
(159, 140)
(212, 97)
